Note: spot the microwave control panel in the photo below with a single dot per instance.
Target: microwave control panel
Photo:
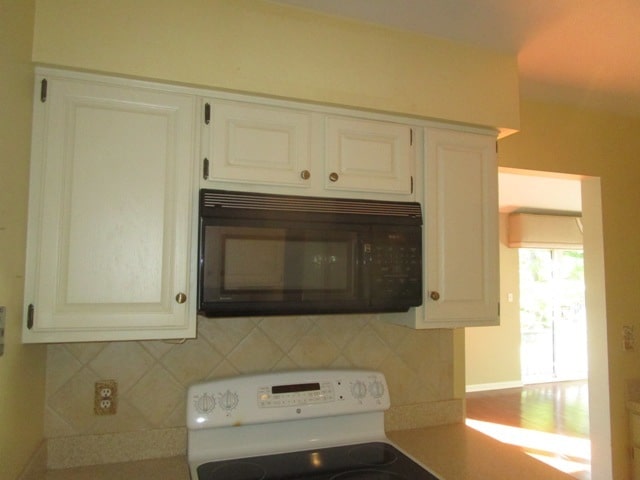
(396, 265)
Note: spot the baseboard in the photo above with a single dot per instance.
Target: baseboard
(481, 387)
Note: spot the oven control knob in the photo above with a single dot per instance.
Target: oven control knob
(358, 390)
(228, 400)
(376, 388)
(205, 403)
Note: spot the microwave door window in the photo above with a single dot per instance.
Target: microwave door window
(253, 264)
(257, 264)
(242, 263)
(275, 269)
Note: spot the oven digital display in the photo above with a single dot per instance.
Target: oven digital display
(295, 388)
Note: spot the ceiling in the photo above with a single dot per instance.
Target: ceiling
(524, 192)
(577, 51)
(583, 52)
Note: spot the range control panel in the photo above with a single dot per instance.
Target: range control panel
(281, 396)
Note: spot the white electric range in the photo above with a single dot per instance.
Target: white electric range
(306, 424)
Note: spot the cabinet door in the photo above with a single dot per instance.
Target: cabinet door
(110, 207)
(257, 144)
(368, 155)
(461, 194)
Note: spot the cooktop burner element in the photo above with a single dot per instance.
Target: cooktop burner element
(308, 424)
(368, 475)
(375, 460)
(372, 454)
(236, 470)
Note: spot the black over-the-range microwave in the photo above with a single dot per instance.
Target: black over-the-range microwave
(264, 254)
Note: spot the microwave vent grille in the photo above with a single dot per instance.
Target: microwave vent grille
(290, 203)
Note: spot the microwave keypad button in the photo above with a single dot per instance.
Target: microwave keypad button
(396, 271)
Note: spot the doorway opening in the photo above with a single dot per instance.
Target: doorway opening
(492, 354)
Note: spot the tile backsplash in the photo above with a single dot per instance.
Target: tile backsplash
(153, 376)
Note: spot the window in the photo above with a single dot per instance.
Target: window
(552, 315)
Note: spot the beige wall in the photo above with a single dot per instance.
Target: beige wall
(556, 138)
(492, 354)
(565, 139)
(256, 46)
(22, 368)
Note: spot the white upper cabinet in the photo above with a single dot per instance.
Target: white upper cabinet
(368, 156)
(115, 169)
(109, 253)
(460, 251)
(461, 220)
(254, 146)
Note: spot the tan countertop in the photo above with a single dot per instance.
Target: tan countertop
(457, 452)
(173, 468)
(453, 452)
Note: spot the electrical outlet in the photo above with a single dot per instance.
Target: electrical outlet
(105, 400)
(628, 338)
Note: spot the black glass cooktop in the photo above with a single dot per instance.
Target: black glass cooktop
(365, 461)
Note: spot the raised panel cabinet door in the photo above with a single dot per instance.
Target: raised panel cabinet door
(110, 225)
(368, 155)
(461, 267)
(257, 144)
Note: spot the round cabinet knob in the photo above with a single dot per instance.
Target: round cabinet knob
(333, 176)
(376, 388)
(359, 390)
(305, 174)
(181, 298)
(434, 296)
(205, 403)
(228, 400)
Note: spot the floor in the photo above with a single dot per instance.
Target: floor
(550, 421)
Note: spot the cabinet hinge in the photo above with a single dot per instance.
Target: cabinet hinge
(207, 113)
(205, 169)
(43, 90)
(30, 315)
